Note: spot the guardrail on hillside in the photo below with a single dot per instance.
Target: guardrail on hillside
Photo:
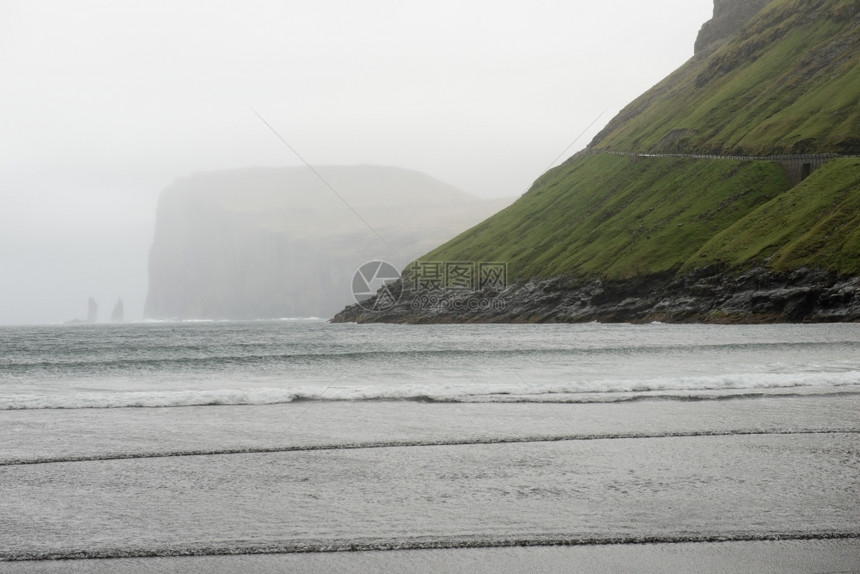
(797, 166)
(790, 157)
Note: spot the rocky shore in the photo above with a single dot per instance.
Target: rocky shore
(709, 295)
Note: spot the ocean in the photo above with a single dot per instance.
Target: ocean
(152, 441)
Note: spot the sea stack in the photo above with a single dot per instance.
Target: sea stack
(92, 311)
(117, 315)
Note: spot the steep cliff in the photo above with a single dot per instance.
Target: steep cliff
(729, 17)
(269, 243)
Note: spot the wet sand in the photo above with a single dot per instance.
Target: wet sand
(761, 557)
(680, 475)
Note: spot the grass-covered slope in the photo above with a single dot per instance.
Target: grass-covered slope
(816, 224)
(788, 83)
(615, 216)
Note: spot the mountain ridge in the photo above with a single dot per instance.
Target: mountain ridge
(792, 72)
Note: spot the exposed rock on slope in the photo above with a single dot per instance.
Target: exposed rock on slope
(729, 16)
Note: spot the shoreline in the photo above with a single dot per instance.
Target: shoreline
(707, 296)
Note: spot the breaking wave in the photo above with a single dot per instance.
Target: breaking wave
(714, 387)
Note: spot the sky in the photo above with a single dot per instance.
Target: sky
(105, 103)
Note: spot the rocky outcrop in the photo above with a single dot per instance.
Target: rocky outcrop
(729, 17)
(708, 295)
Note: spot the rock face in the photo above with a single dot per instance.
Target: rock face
(268, 243)
(729, 17)
(707, 295)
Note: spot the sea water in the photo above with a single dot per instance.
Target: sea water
(215, 438)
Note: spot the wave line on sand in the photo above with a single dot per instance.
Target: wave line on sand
(414, 543)
(418, 443)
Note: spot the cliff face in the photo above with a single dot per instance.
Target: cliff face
(729, 17)
(270, 243)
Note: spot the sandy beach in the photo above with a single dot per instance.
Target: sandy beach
(780, 557)
(497, 449)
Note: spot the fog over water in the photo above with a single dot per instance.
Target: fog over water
(106, 103)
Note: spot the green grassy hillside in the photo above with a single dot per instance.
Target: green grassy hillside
(788, 83)
(816, 224)
(618, 217)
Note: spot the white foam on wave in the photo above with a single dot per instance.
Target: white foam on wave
(452, 391)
